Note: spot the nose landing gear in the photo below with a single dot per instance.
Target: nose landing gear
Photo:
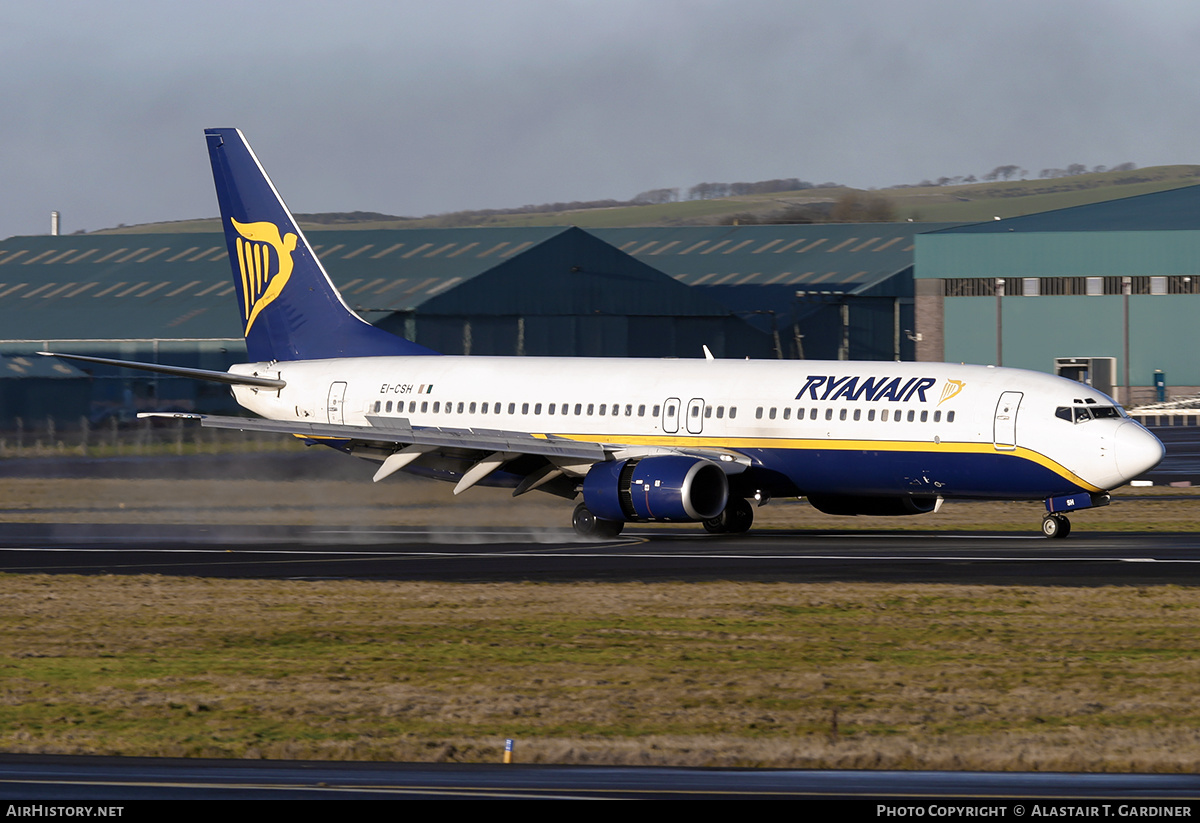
(1055, 523)
(1056, 526)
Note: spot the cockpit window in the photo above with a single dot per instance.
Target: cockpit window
(1082, 413)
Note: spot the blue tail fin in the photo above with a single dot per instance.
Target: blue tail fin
(289, 308)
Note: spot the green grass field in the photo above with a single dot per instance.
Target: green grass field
(829, 675)
(964, 203)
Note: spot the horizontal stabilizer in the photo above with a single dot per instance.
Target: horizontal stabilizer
(179, 371)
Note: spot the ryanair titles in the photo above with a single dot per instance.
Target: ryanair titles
(894, 389)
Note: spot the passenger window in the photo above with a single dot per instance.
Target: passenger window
(911, 415)
(732, 412)
(603, 406)
(436, 406)
(512, 408)
(883, 416)
(388, 408)
(551, 409)
(460, 407)
(771, 413)
(787, 414)
(483, 407)
(578, 408)
(758, 413)
(537, 408)
(471, 408)
(949, 417)
(870, 414)
(376, 405)
(829, 414)
(424, 405)
(591, 409)
(937, 417)
(642, 410)
(842, 414)
(524, 408)
(656, 409)
(800, 413)
(707, 412)
(857, 414)
(720, 412)
(629, 410)
(496, 409)
(695, 411)
(412, 406)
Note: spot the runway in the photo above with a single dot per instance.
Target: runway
(492, 555)
(112, 780)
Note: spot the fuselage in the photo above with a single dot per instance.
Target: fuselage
(799, 427)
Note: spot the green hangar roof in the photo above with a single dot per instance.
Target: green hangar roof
(843, 257)
(179, 285)
(1171, 210)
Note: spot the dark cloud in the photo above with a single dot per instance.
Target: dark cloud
(417, 108)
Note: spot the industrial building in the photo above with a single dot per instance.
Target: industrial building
(1107, 293)
(1102, 293)
(814, 291)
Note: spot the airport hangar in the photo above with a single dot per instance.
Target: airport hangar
(1071, 290)
(1107, 292)
(819, 291)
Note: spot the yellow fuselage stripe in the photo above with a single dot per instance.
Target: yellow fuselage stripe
(738, 443)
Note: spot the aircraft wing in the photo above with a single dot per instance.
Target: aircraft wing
(403, 443)
(398, 431)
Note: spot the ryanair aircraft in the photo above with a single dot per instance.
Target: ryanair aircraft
(646, 440)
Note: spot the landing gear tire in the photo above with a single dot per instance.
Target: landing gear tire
(587, 524)
(1056, 526)
(737, 518)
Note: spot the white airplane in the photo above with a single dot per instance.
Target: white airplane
(645, 440)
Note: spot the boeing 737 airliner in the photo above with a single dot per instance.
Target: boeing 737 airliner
(645, 440)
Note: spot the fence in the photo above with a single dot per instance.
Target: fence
(46, 438)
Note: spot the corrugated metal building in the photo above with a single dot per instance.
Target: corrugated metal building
(1093, 281)
(839, 291)
(827, 291)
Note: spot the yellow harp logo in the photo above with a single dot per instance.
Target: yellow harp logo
(265, 260)
(952, 388)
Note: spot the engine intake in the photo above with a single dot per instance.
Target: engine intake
(656, 488)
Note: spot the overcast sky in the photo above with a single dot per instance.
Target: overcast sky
(416, 108)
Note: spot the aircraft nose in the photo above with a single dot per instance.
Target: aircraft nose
(1137, 450)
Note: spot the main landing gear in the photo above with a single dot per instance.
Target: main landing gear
(737, 518)
(589, 525)
(1056, 526)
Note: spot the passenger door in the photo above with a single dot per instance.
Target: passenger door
(337, 398)
(1005, 426)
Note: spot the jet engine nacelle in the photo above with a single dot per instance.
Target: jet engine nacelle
(874, 506)
(656, 488)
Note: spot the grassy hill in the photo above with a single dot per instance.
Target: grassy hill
(966, 203)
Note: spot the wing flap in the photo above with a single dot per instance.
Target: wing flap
(398, 431)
